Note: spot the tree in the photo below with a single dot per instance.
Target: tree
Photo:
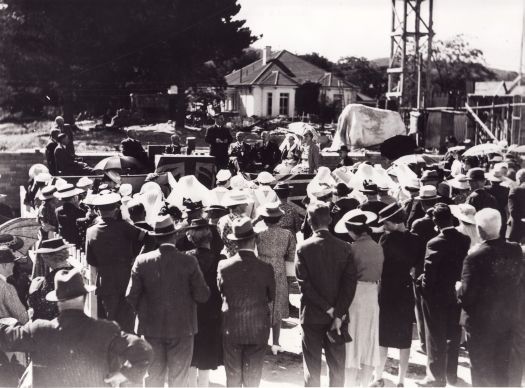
(319, 61)
(64, 49)
(358, 71)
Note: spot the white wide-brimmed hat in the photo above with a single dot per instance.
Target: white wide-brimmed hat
(460, 182)
(354, 217)
(265, 178)
(236, 197)
(84, 182)
(223, 175)
(464, 212)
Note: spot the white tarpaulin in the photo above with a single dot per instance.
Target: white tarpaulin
(361, 126)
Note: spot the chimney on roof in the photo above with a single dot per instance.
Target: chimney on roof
(266, 54)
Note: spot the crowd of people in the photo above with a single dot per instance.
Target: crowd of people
(190, 278)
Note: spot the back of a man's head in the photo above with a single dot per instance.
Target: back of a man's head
(72, 304)
(442, 215)
(319, 215)
(488, 224)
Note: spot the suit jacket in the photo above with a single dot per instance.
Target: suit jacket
(424, 228)
(516, 231)
(164, 290)
(490, 284)
(219, 139)
(75, 350)
(247, 285)
(66, 164)
(50, 156)
(443, 265)
(67, 216)
(327, 277)
(133, 148)
(111, 247)
(481, 199)
(269, 154)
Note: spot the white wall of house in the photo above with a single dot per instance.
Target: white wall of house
(276, 92)
(349, 95)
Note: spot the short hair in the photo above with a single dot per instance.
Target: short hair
(520, 175)
(488, 222)
(239, 135)
(319, 214)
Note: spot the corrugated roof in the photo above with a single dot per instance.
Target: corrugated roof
(289, 65)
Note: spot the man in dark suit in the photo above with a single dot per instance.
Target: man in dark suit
(516, 230)
(490, 292)
(68, 214)
(66, 129)
(247, 285)
(268, 152)
(480, 198)
(65, 162)
(164, 290)
(327, 278)
(50, 151)
(219, 139)
(443, 265)
(112, 245)
(74, 350)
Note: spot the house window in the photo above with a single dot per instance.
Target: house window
(269, 103)
(284, 99)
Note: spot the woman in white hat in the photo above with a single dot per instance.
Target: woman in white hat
(264, 193)
(362, 354)
(460, 188)
(465, 213)
(276, 246)
(237, 202)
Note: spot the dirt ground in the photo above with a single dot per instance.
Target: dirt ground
(286, 369)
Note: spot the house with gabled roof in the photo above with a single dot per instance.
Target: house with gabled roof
(268, 87)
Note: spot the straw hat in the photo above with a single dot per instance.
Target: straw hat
(242, 229)
(223, 175)
(47, 193)
(427, 193)
(271, 210)
(67, 191)
(43, 177)
(354, 217)
(84, 183)
(388, 212)
(162, 226)
(108, 199)
(495, 175)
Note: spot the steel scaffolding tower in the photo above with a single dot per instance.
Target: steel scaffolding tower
(410, 53)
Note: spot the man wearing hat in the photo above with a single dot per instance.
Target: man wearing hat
(68, 214)
(55, 254)
(242, 152)
(76, 350)
(480, 198)
(10, 305)
(247, 286)
(327, 278)
(219, 139)
(344, 159)
(66, 129)
(164, 290)
(65, 161)
(291, 220)
(46, 214)
(268, 152)
(236, 202)
(50, 150)
(500, 193)
(443, 265)
(133, 148)
(112, 245)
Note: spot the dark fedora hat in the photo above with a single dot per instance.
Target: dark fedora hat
(476, 174)
(389, 211)
(343, 148)
(68, 285)
(12, 242)
(198, 223)
(6, 255)
(53, 245)
(242, 229)
(162, 226)
(342, 189)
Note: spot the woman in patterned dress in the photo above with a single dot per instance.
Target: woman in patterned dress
(275, 246)
(236, 202)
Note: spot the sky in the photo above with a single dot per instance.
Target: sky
(339, 28)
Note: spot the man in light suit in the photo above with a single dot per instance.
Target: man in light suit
(164, 290)
(247, 285)
(327, 278)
